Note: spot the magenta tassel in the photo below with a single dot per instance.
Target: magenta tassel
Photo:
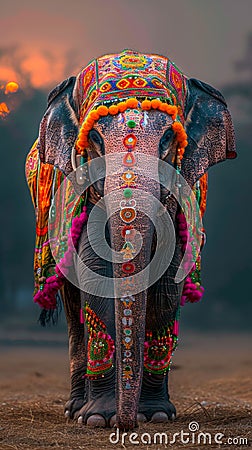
(197, 296)
(81, 316)
(175, 328)
(183, 300)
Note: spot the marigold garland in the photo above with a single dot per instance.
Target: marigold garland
(146, 105)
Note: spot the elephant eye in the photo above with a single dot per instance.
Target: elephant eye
(165, 143)
(97, 141)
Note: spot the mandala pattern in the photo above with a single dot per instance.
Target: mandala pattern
(132, 60)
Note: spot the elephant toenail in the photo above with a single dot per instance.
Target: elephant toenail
(159, 417)
(173, 417)
(67, 414)
(112, 421)
(80, 419)
(141, 418)
(96, 421)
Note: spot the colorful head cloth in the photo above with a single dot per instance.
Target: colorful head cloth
(113, 78)
(114, 83)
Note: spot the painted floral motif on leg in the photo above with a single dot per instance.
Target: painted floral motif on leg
(100, 346)
(158, 350)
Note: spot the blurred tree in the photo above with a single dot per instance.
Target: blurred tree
(240, 92)
(17, 133)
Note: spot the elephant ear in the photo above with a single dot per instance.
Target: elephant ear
(209, 129)
(59, 127)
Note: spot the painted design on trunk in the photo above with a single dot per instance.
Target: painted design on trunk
(128, 215)
(127, 193)
(100, 346)
(129, 177)
(128, 212)
(128, 250)
(127, 321)
(129, 159)
(128, 267)
(130, 141)
(133, 118)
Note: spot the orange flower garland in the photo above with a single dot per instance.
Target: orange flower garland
(146, 105)
(181, 138)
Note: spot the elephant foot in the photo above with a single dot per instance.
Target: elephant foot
(100, 408)
(165, 413)
(164, 417)
(97, 420)
(98, 412)
(72, 406)
(154, 402)
(78, 395)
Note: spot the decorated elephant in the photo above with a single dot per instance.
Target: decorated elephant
(118, 176)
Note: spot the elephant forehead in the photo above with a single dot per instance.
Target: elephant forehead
(149, 127)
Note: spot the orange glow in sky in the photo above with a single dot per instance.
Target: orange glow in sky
(33, 68)
(42, 70)
(11, 87)
(4, 110)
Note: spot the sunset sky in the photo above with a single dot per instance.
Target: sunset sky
(49, 40)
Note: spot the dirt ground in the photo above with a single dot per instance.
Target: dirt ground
(210, 384)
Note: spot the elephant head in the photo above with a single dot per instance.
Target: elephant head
(134, 109)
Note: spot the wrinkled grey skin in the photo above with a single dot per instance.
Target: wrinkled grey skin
(210, 140)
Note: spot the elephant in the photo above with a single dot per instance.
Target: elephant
(134, 118)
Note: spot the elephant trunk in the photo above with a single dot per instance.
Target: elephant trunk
(129, 361)
(131, 233)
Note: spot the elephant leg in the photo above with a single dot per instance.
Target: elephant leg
(77, 348)
(100, 332)
(155, 404)
(100, 373)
